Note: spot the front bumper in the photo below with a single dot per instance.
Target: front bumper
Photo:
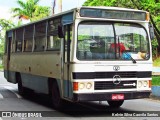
(108, 96)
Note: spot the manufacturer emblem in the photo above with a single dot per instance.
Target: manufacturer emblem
(116, 79)
(116, 68)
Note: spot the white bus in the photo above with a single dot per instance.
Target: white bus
(84, 54)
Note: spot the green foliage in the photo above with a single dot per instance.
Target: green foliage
(30, 10)
(5, 25)
(1, 66)
(40, 12)
(154, 47)
(156, 62)
(156, 81)
(1, 49)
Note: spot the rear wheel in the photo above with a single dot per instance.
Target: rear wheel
(56, 98)
(115, 104)
(20, 86)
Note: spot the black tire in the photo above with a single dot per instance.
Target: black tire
(20, 86)
(56, 98)
(115, 104)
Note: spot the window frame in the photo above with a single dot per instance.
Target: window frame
(113, 24)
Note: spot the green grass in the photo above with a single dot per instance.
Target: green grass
(1, 67)
(156, 62)
(156, 80)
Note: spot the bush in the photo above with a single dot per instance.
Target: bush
(156, 81)
(156, 62)
(154, 48)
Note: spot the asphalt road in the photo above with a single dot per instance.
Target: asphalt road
(25, 106)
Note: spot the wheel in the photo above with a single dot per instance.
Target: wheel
(56, 98)
(115, 104)
(20, 86)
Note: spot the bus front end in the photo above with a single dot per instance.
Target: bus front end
(112, 58)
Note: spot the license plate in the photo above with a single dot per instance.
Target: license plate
(117, 96)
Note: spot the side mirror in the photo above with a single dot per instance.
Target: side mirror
(151, 31)
(60, 32)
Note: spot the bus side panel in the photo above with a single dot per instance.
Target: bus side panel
(8, 74)
(35, 82)
(36, 68)
(5, 67)
(68, 91)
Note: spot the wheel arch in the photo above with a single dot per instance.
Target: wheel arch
(52, 81)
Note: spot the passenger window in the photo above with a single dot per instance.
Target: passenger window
(19, 39)
(40, 36)
(53, 41)
(28, 38)
(13, 44)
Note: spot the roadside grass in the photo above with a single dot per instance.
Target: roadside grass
(155, 80)
(1, 67)
(156, 62)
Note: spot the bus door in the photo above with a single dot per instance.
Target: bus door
(67, 23)
(66, 61)
(8, 51)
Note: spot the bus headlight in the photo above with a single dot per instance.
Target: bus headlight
(139, 84)
(81, 86)
(145, 83)
(89, 85)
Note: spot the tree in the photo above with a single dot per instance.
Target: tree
(4, 25)
(53, 7)
(30, 10)
(152, 6)
(40, 12)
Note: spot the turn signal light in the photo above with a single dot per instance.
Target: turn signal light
(147, 16)
(75, 86)
(150, 83)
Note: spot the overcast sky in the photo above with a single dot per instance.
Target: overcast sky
(6, 5)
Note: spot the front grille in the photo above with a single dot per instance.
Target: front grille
(111, 74)
(102, 75)
(105, 85)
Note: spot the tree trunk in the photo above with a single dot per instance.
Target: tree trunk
(156, 32)
(53, 7)
(60, 6)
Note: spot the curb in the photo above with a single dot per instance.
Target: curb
(156, 91)
(154, 97)
(156, 73)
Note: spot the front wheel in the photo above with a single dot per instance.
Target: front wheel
(56, 98)
(115, 104)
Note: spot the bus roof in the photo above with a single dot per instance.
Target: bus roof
(112, 8)
(46, 18)
(79, 8)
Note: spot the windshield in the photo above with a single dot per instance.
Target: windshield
(106, 41)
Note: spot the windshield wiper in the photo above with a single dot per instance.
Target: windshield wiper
(128, 55)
